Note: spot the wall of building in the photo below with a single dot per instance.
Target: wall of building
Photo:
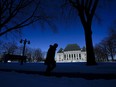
(71, 56)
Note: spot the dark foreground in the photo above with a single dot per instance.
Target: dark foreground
(70, 75)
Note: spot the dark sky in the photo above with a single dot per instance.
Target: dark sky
(72, 31)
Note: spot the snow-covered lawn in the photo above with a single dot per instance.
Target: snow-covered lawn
(63, 67)
(14, 79)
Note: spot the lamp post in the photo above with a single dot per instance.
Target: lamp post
(24, 42)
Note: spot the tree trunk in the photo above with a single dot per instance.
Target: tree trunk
(107, 58)
(89, 47)
(112, 56)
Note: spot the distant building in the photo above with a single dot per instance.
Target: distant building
(71, 53)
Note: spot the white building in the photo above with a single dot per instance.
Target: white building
(71, 53)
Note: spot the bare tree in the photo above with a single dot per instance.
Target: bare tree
(111, 43)
(16, 14)
(38, 55)
(86, 11)
(1, 43)
(101, 53)
(28, 53)
(107, 47)
(9, 47)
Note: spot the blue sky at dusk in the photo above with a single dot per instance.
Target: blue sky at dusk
(69, 33)
(72, 31)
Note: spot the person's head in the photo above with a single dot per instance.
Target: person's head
(50, 45)
(55, 45)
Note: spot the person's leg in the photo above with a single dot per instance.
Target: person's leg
(53, 65)
(48, 69)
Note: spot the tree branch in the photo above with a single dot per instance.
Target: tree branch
(94, 8)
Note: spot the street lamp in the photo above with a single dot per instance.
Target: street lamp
(24, 42)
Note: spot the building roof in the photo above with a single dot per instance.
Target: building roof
(83, 49)
(72, 47)
(60, 50)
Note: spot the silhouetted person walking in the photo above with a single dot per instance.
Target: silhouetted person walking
(50, 61)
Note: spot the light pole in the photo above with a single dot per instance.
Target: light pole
(24, 42)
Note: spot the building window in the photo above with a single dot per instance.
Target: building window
(80, 56)
(69, 55)
(72, 55)
(77, 55)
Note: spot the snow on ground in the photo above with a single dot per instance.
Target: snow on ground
(63, 67)
(14, 79)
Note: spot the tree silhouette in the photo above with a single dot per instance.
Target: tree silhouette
(107, 47)
(86, 10)
(101, 52)
(9, 47)
(16, 14)
(111, 43)
(38, 55)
